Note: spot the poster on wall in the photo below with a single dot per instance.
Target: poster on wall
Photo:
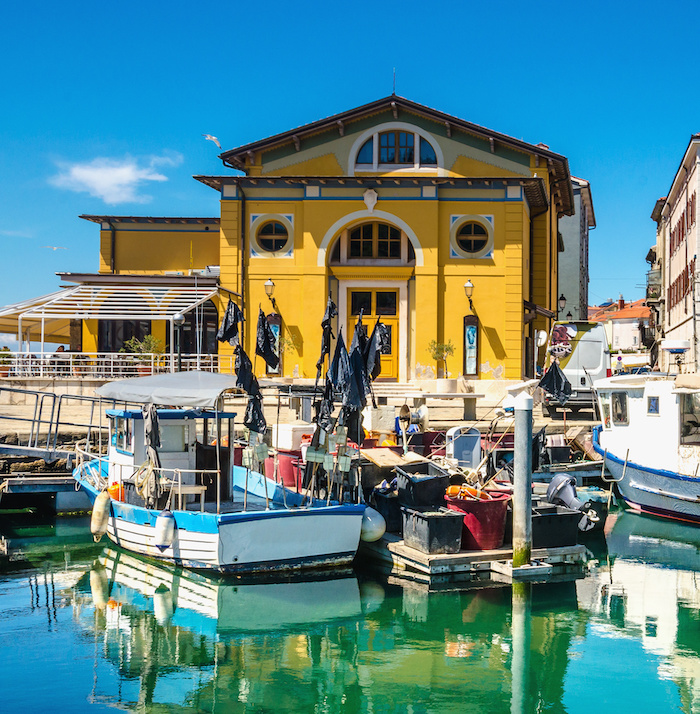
(275, 321)
(471, 345)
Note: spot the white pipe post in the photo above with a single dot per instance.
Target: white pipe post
(172, 344)
(522, 481)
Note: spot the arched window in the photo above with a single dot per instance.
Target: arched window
(371, 241)
(366, 154)
(401, 146)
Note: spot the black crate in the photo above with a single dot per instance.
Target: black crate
(421, 485)
(552, 526)
(432, 530)
(559, 454)
(388, 505)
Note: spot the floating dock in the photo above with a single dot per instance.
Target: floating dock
(60, 488)
(494, 565)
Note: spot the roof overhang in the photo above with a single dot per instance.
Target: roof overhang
(533, 188)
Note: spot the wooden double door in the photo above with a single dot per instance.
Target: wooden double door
(382, 304)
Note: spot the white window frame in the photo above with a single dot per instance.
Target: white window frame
(456, 222)
(257, 221)
(374, 133)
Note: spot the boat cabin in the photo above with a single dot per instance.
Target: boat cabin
(188, 444)
(654, 419)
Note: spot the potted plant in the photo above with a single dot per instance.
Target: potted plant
(5, 360)
(440, 351)
(146, 347)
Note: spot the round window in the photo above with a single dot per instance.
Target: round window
(272, 236)
(471, 237)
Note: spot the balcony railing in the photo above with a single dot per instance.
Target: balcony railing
(654, 284)
(105, 366)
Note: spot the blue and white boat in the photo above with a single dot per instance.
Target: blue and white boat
(650, 438)
(189, 504)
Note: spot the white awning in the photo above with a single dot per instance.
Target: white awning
(52, 313)
(178, 389)
(120, 302)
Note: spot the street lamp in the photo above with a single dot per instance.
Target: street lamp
(562, 302)
(468, 291)
(269, 290)
(569, 316)
(179, 320)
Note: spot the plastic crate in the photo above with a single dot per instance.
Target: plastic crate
(388, 505)
(552, 526)
(432, 531)
(421, 485)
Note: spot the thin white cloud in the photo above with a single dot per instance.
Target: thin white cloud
(114, 180)
(15, 234)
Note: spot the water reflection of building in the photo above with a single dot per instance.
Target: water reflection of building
(648, 592)
(180, 639)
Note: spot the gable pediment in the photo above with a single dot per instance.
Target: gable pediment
(355, 143)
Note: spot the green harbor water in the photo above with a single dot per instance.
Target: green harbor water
(89, 628)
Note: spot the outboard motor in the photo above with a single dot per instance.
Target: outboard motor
(562, 492)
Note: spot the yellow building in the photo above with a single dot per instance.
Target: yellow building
(390, 208)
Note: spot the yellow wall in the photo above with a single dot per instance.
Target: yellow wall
(156, 251)
(439, 303)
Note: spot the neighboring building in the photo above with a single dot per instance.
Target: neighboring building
(672, 280)
(626, 325)
(389, 208)
(573, 261)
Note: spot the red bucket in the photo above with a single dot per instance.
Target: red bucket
(287, 468)
(484, 522)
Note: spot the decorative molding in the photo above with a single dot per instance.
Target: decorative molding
(370, 198)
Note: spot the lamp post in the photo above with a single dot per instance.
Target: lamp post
(468, 291)
(569, 316)
(179, 320)
(562, 303)
(269, 290)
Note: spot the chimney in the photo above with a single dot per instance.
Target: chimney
(620, 302)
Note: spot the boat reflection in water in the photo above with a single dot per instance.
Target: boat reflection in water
(179, 639)
(648, 594)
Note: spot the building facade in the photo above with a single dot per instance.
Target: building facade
(573, 260)
(672, 287)
(391, 209)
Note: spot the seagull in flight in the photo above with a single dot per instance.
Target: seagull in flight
(209, 137)
(55, 247)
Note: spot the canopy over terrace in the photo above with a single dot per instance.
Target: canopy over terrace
(160, 298)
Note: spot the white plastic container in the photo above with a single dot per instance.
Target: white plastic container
(288, 436)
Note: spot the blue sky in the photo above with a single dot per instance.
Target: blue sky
(104, 105)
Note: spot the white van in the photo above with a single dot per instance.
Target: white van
(582, 351)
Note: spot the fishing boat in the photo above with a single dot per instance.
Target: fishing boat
(167, 486)
(650, 440)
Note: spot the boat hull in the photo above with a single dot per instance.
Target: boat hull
(653, 491)
(243, 541)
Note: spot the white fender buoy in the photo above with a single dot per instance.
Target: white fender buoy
(99, 586)
(100, 515)
(373, 525)
(165, 529)
(163, 605)
(372, 596)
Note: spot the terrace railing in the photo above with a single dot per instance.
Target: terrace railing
(105, 365)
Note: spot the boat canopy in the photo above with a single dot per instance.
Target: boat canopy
(177, 389)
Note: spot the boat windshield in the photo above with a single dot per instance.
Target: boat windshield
(690, 418)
